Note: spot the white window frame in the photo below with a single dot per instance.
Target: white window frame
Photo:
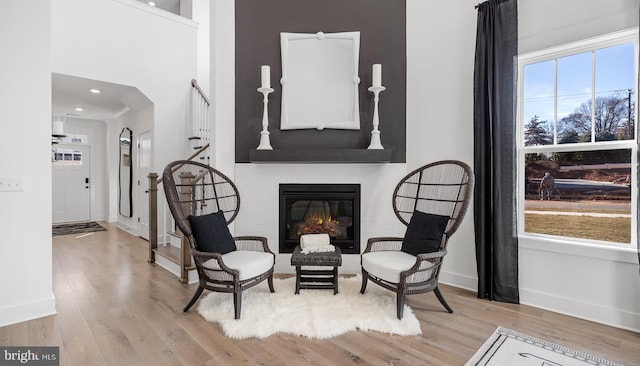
(569, 245)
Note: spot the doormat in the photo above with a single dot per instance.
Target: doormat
(77, 228)
(508, 347)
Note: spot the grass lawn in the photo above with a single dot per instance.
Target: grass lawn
(614, 229)
(581, 210)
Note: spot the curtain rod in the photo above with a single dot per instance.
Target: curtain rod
(478, 4)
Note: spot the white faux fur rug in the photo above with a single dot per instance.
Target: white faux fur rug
(312, 313)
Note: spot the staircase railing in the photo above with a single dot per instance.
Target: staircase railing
(160, 219)
(158, 208)
(200, 130)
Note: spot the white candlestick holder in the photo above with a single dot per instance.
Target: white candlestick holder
(265, 144)
(375, 133)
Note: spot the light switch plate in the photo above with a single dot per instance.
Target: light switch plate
(11, 184)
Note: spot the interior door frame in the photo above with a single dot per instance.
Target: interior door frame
(143, 168)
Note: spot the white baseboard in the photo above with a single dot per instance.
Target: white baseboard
(583, 310)
(562, 305)
(128, 228)
(100, 218)
(175, 269)
(458, 280)
(28, 311)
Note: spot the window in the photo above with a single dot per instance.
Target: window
(577, 140)
(66, 157)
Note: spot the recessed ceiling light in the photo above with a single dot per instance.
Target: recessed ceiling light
(79, 109)
(95, 91)
(152, 3)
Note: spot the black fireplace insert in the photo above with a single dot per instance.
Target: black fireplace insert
(320, 208)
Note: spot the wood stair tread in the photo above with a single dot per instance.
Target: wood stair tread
(169, 252)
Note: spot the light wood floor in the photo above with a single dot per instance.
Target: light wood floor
(116, 309)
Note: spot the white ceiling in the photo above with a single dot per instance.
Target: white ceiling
(172, 6)
(69, 92)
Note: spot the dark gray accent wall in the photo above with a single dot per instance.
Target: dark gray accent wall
(382, 27)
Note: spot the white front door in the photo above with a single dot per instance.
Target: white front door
(144, 166)
(71, 186)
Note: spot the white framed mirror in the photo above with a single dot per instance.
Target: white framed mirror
(320, 80)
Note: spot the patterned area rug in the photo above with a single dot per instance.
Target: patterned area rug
(508, 347)
(77, 228)
(313, 313)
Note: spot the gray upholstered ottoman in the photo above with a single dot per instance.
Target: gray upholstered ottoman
(316, 278)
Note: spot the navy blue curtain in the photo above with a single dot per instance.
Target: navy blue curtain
(495, 150)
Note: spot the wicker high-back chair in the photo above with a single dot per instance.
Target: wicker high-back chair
(195, 189)
(441, 188)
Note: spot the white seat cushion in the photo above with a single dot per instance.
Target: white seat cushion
(387, 265)
(249, 263)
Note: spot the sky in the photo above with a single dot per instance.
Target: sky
(614, 71)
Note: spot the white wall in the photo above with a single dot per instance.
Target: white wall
(590, 282)
(25, 151)
(199, 11)
(440, 56)
(105, 152)
(258, 186)
(222, 73)
(546, 23)
(113, 129)
(130, 43)
(139, 120)
(119, 41)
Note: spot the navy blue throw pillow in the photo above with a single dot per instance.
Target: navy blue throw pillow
(212, 233)
(424, 233)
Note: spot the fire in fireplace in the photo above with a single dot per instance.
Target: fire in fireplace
(320, 208)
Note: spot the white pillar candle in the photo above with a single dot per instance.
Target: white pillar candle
(266, 76)
(376, 78)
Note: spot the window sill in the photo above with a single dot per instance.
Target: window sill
(602, 252)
